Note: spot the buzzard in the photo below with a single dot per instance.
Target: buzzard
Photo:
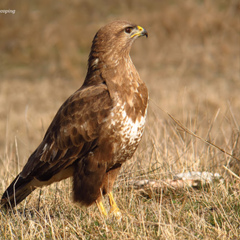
(96, 129)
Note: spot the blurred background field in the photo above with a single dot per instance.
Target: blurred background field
(191, 65)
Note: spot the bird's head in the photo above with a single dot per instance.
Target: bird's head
(114, 40)
(121, 30)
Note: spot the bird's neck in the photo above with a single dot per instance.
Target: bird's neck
(122, 80)
(108, 66)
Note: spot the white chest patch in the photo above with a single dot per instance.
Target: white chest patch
(131, 131)
(127, 132)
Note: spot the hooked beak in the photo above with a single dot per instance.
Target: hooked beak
(139, 31)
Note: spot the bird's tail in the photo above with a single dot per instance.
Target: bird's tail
(17, 191)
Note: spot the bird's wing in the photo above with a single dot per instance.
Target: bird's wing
(73, 133)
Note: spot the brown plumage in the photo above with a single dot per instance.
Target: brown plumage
(98, 127)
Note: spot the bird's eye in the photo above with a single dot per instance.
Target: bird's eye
(128, 30)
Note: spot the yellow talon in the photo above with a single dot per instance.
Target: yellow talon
(101, 208)
(114, 208)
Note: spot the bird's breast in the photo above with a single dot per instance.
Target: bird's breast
(126, 130)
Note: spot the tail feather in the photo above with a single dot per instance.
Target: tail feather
(17, 191)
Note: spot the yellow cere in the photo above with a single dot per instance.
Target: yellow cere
(138, 33)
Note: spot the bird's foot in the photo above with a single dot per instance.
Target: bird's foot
(114, 210)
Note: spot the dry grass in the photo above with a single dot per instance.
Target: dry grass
(191, 65)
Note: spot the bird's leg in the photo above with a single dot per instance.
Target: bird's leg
(114, 208)
(101, 208)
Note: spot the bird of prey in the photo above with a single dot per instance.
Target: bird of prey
(96, 129)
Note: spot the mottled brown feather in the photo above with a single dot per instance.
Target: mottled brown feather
(96, 129)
